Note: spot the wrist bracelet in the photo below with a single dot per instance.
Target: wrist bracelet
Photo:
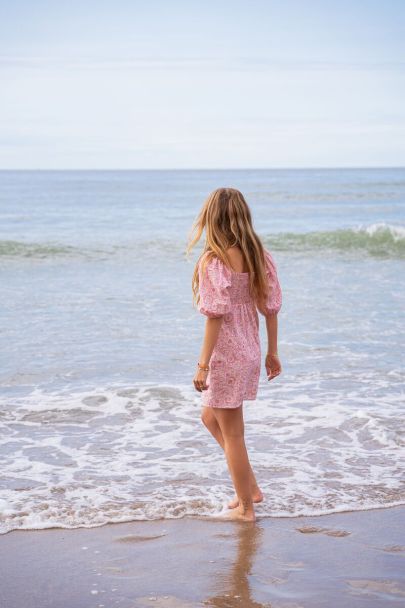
(204, 368)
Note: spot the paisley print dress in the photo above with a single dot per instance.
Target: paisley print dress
(236, 360)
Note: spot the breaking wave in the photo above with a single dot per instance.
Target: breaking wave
(379, 240)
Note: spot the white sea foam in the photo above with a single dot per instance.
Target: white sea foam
(137, 453)
(395, 231)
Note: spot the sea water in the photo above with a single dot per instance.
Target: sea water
(99, 420)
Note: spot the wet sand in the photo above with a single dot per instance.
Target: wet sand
(342, 560)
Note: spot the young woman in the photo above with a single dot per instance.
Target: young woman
(235, 276)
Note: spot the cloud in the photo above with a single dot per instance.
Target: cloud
(241, 63)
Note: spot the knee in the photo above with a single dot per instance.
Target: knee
(234, 433)
(207, 418)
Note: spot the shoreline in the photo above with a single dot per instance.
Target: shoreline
(208, 518)
(353, 558)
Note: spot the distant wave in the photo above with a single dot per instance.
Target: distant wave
(377, 240)
(47, 250)
(380, 240)
(35, 250)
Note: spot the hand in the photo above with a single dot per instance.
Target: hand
(273, 366)
(199, 380)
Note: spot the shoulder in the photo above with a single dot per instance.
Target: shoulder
(269, 260)
(210, 259)
(268, 256)
(211, 265)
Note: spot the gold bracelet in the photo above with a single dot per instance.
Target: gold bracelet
(203, 368)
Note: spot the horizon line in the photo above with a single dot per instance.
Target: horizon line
(274, 168)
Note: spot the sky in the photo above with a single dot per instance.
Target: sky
(201, 84)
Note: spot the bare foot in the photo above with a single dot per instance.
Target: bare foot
(256, 497)
(237, 515)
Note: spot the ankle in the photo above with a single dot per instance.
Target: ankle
(246, 506)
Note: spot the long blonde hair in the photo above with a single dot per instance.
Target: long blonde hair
(227, 220)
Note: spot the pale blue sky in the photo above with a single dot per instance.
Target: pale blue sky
(153, 84)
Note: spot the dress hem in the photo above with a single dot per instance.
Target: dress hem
(223, 407)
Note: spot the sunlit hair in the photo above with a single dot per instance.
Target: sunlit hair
(226, 218)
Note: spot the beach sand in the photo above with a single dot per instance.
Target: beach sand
(340, 560)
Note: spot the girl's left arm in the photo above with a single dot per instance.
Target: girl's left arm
(211, 333)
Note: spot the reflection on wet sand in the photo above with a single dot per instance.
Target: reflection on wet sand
(233, 580)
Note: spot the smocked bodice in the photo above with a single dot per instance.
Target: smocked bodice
(239, 289)
(220, 288)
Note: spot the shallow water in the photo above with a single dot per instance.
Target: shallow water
(98, 418)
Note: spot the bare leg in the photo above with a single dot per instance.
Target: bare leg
(231, 423)
(209, 420)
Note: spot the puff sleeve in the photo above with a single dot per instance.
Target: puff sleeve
(214, 284)
(274, 299)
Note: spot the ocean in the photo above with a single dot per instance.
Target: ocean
(99, 420)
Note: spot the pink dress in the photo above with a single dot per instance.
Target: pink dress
(236, 360)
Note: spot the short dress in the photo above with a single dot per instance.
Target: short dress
(236, 359)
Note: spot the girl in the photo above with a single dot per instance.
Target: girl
(235, 276)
